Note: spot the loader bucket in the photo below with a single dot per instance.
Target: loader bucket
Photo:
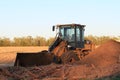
(33, 59)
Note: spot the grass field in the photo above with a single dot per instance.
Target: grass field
(8, 54)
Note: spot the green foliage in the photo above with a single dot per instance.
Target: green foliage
(5, 42)
(50, 40)
(41, 41)
(98, 40)
(26, 41)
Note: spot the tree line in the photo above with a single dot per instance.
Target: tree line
(98, 40)
(26, 41)
(41, 41)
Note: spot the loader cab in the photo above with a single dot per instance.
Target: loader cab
(73, 34)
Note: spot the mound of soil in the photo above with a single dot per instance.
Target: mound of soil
(102, 64)
(59, 72)
(105, 55)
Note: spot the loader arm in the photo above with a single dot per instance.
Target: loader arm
(55, 43)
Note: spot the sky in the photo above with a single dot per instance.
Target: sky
(20, 18)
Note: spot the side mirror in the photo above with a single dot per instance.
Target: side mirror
(53, 28)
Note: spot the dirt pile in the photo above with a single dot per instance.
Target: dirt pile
(58, 72)
(102, 64)
(105, 55)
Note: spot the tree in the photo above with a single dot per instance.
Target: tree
(98, 40)
(50, 40)
(39, 41)
(5, 42)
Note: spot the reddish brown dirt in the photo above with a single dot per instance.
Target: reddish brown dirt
(105, 55)
(103, 63)
(59, 72)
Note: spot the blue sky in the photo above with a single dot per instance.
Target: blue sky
(36, 17)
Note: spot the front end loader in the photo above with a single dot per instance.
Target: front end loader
(69, 46)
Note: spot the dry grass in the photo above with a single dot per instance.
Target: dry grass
(8, 54)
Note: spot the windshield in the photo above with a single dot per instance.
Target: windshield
(74, 35)
(68, 33)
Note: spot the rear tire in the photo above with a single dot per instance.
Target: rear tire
(69, 57)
